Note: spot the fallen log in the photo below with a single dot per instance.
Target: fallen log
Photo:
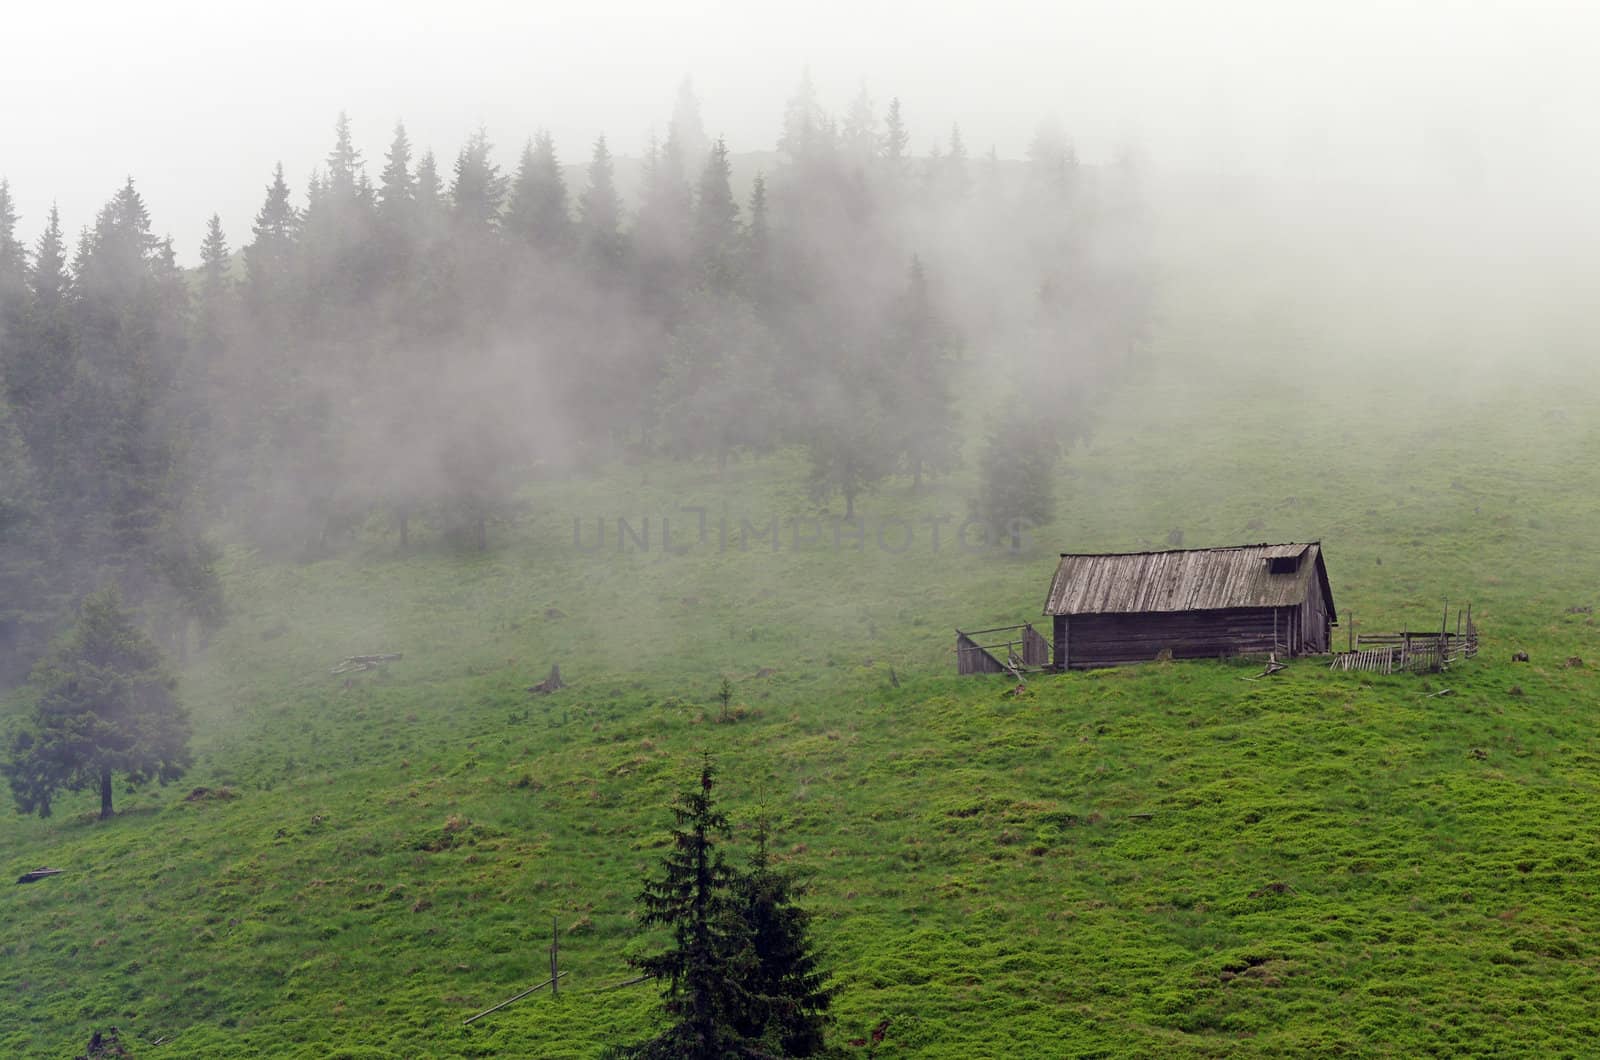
(38, 874)
(358, 663)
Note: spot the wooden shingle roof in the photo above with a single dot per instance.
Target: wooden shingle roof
(1198, 579)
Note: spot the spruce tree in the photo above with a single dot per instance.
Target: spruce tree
(739, 974)
(896, 139)
(113, 268)
(663, 231)
(213, 320)
(430, 191)
(932, 180)
(717, 220)
(850, 444)
(40, 360)
(26, 294)
(537, 211)
(787, 992)
(1017, 472)
(269, 260)
(48, 277)
(477, 249)
(600, 213)
(717, 394)
(702, 967)
(13, 256)
(311, 217)
(847, 386)
(25, 607)
(479, 189)
(104, 706)
(344, 165)
(805, 124)
(397, 188)
(215, 257)
(395, 220)
(121, 484)
(758, 242)
(1052, 163)
(860, 140)
(686, 133)
(549, 215)
(921, 351)
(210, 373)
(520, 204)
(477, 461)
(432, 308)
(956, 182)
(339, 250)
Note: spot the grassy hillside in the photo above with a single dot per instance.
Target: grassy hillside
(1165, 859)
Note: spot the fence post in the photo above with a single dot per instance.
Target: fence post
(555, 948)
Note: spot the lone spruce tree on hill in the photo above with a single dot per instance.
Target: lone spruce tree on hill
(739, 978)
(104, 705)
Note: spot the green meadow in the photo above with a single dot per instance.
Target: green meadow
(1159, 860)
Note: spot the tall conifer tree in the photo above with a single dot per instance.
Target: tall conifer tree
(921, 349)
(25, 604)
(39, 366)
(479, 188)
(397, 188)
(739, 976)
(600, 213)
(269, 259)
(717, 219)
(686, 133)
(896, 139)
(13, 255)
(787, 992)
(538, 211)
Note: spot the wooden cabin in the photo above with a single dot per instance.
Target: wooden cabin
(1192, 603)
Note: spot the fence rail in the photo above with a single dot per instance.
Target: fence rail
(1407, 652)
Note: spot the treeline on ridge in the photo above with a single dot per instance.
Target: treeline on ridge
(416, 345)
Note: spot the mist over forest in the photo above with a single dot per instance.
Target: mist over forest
(799, 530)
(406, 343)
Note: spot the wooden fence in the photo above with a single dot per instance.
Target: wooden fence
(1407, 652)
(1022, 649)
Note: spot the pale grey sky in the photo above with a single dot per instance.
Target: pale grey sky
(197, 99)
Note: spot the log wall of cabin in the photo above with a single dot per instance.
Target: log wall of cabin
(1314, 619)
(1083, 641)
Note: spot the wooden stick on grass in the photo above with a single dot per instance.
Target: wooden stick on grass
(508, 1001)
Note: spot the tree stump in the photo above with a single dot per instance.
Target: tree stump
(549, 684)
